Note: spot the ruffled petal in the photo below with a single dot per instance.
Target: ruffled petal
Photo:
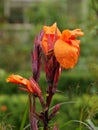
(65, 54)
(67, 35)
(17, 79)
(51, 34)
(77, 32)
(30, 85)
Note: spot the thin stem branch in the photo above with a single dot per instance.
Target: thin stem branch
(33, 120)
(41, 99)
(31, 111)
(46, 112)
(49, 96)
(34, 104)
(46, 120)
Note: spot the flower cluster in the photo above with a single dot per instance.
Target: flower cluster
(64, 46)
(58, 50)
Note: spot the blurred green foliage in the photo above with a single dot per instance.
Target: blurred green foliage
(48, 12)
(14, 113)
(79, 108)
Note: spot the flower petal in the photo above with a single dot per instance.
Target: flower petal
(65, 54)
(51, 29)
(17, 79)
(31, 86)
(67, 35)
(51, 34)
(77, 32)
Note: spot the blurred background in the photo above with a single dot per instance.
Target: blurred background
(22, 20)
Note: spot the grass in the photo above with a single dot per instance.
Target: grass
(15, 108)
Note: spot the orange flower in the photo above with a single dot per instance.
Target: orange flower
(51, 34)
(66, 49)
(31, 87)
(3, 107)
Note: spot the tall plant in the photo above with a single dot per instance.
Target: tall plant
(56, 50)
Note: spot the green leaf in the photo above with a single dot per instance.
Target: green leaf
(67, 123)
(24, 116)
(76, 121)
(92, 124)
(62, 103)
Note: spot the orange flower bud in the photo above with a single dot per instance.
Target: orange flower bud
(30, 87)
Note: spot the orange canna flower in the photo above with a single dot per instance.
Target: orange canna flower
(51, 34)
(30, 87)
(67, 49)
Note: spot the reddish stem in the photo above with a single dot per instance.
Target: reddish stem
(33, 120)
(49, 96)
(48, 101)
